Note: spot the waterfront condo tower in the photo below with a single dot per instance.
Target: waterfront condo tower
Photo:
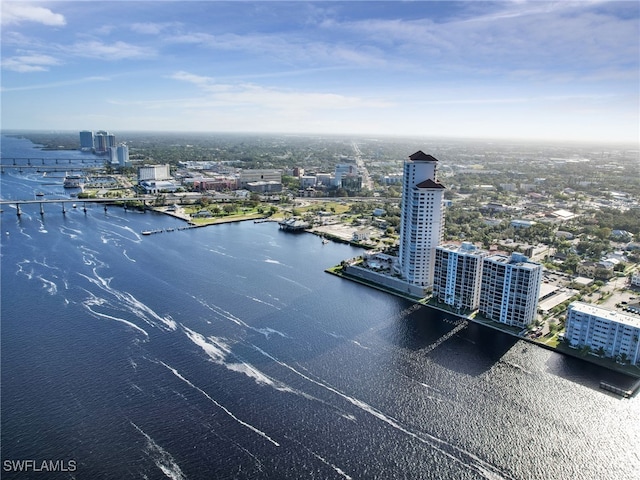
(510, 289)
(422, 222)
(457, 275)
(606, 332)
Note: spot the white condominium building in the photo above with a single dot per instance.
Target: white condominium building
(458, 274)
(510, 289)
(614, 334)
(153, 172)
(422, 221)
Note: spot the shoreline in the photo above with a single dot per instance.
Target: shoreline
(623, 392)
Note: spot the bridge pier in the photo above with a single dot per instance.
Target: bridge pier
(84, 207)
(63, 209)
(18, 212)
(41, 209)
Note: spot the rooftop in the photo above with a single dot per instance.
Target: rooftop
(420, 156)
(605, 314)
(428, 183)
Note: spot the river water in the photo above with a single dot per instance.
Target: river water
(228, 352)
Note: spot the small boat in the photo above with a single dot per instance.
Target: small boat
(146, 232)
(74, 205)
(39, 194)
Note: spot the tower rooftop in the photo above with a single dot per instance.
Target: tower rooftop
(420, 156)
(428, 183)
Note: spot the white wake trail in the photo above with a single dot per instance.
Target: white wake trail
(472, 461)
(220, 406)
(163, 459)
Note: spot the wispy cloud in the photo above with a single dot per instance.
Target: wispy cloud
(115, 51)
(29, 63)
(516, 35)
(19, 12)
(152, 28)
(287, 49)
(64, 83)
(247, 94)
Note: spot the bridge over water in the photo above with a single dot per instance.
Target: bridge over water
(64, 202)
(50, 164)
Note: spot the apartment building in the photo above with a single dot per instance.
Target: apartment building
(610, 333)
(422, 221)
(510, 288)
(458, 274)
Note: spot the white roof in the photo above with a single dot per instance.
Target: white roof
(605, 314)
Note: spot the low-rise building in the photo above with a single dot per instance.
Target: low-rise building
(361, 235)
(605, 332)
(259, 175)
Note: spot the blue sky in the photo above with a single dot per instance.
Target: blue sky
(527, 70)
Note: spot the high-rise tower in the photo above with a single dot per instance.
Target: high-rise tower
(457, 275)
(86, 140)
(422, 223)
(510, 289)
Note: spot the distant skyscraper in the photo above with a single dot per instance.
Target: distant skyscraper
(113, 155)
(122, 153)
(86, 140)
(100, 140)
(510, 289)
(457, 275)
(422, 221)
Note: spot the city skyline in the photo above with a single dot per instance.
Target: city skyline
(513, 70)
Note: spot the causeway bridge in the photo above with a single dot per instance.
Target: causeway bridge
(50, 164)
(64, 202)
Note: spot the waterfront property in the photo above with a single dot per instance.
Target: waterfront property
(422, 221)
(457, 275)
(510, 289)
(605, 332)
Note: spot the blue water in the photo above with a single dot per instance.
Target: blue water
(227, 352)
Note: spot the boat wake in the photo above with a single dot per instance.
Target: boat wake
(219, 405)
(457, 454)
(162, 459)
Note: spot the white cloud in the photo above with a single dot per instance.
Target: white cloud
(29, 63)
(115, 51)
(64, 83)
(18, 12)
(287, 49)
(246, 94)
(150, 28)
(561, 36)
